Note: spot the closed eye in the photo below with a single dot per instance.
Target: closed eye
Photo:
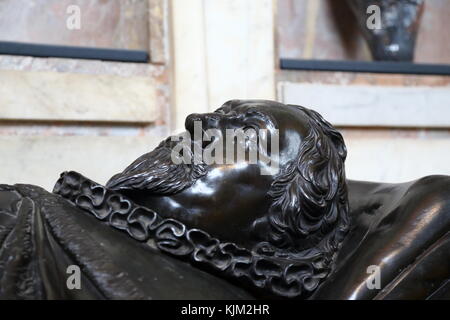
(252, 112)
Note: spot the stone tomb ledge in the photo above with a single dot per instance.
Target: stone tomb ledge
(46, 95)
(370, 100)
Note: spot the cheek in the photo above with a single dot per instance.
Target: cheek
(241, 194)
(239, 198)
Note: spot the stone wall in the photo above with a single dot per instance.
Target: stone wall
(96, 117)
(68, 114)
(327, 29)
(396, 127)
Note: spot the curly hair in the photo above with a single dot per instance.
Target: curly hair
(310, 195)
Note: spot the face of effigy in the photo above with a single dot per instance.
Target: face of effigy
(283, 124)
(232, 201)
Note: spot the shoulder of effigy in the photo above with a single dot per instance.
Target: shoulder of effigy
(431, 191)
(9, 193)
(36, 197)
(28, 190)
(12, 197)
(435, 183)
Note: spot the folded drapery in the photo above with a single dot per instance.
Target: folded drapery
(42, 235)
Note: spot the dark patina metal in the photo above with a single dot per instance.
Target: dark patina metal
(160, 230)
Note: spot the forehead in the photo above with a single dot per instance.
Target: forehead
(284, 116)
(242, 105)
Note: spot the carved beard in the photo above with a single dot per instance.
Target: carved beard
(156, 172)
(265, 270)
